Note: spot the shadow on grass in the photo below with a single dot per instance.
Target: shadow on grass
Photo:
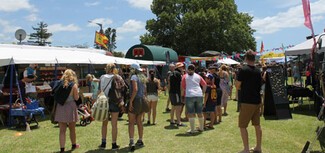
(188, 134)
(171, 127)
(121, 150)
(304, 110)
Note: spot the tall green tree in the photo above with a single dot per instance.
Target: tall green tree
(193, 26)
(110, 33)
(41, 35)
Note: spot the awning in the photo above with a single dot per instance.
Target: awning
(23, 54)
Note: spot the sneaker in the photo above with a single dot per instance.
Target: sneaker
(102, 146)
(190, 131)
(115, 146)
(167, 110)
(139, 143)
(181, 124)
(131, 147)
(172, 123)
(225, 114)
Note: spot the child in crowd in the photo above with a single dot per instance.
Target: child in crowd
(94, 83)
(210, 101)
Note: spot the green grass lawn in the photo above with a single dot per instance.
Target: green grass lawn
(279, 136)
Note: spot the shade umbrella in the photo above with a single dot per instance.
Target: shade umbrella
(209, 53)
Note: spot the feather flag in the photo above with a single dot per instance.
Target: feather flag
(306, 8)
(262, 47)
(101, 39)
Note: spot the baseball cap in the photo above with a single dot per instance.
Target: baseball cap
(136, 66)
(210, 76)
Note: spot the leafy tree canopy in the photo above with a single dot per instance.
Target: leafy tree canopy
(193, 26)
(41, 34)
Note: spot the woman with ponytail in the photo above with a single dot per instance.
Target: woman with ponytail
(153, 85)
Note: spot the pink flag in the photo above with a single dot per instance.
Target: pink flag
(306, 7)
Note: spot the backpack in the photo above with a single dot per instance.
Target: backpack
(99, 111)
(115, 93)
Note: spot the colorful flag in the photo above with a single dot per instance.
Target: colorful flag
(306, 7)
(101, 39)
(262, 47)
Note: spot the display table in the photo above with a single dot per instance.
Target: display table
(28, 113)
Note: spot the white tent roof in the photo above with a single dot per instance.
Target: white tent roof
(228, 61)
(21, 54)
(305, 47)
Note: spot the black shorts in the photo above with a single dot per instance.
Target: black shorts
(219, 96)
(175, 99)
(113, 107)
(138, 106)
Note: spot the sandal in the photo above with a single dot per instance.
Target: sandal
(255, 151)
(75, 146)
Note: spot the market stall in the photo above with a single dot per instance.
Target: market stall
(10, 55)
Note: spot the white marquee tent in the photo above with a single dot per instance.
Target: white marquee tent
(22, 54)
(305, 47)
(228, 61)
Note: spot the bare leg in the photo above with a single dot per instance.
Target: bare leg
(172, 112)
(178, 114)
(72, 129)
(244, 136)
(154, 111)
(114, 126)
(140, 126)
(104, 129)
(258, 131)
(150, 109)
(131, 124)
(212, 119)
(63, 129)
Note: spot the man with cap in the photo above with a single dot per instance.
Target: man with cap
(193, 96)
(174, 86)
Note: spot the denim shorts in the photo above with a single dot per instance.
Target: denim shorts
(113, 107)
(194, 105)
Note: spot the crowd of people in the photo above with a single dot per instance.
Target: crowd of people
(203, 94)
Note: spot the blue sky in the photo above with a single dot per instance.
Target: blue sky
(276, 22)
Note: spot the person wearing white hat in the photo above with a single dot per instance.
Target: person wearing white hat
(136, 104)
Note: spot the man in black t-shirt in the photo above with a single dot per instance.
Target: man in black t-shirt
(174, 88)
(249, 83)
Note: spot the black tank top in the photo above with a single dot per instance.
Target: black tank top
(152, 88)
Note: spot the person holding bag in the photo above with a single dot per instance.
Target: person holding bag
(112, 85)
(65, 94)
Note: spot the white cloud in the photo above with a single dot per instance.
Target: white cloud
(292, 18)
(15, 5)
(137, 37)
(89, 4)
(144, 4)
(131, 26)
(258, 37)
(7, 27)
(32, 17)
(285, 4)
(103, 21)
(119, 38)
(60, 27)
